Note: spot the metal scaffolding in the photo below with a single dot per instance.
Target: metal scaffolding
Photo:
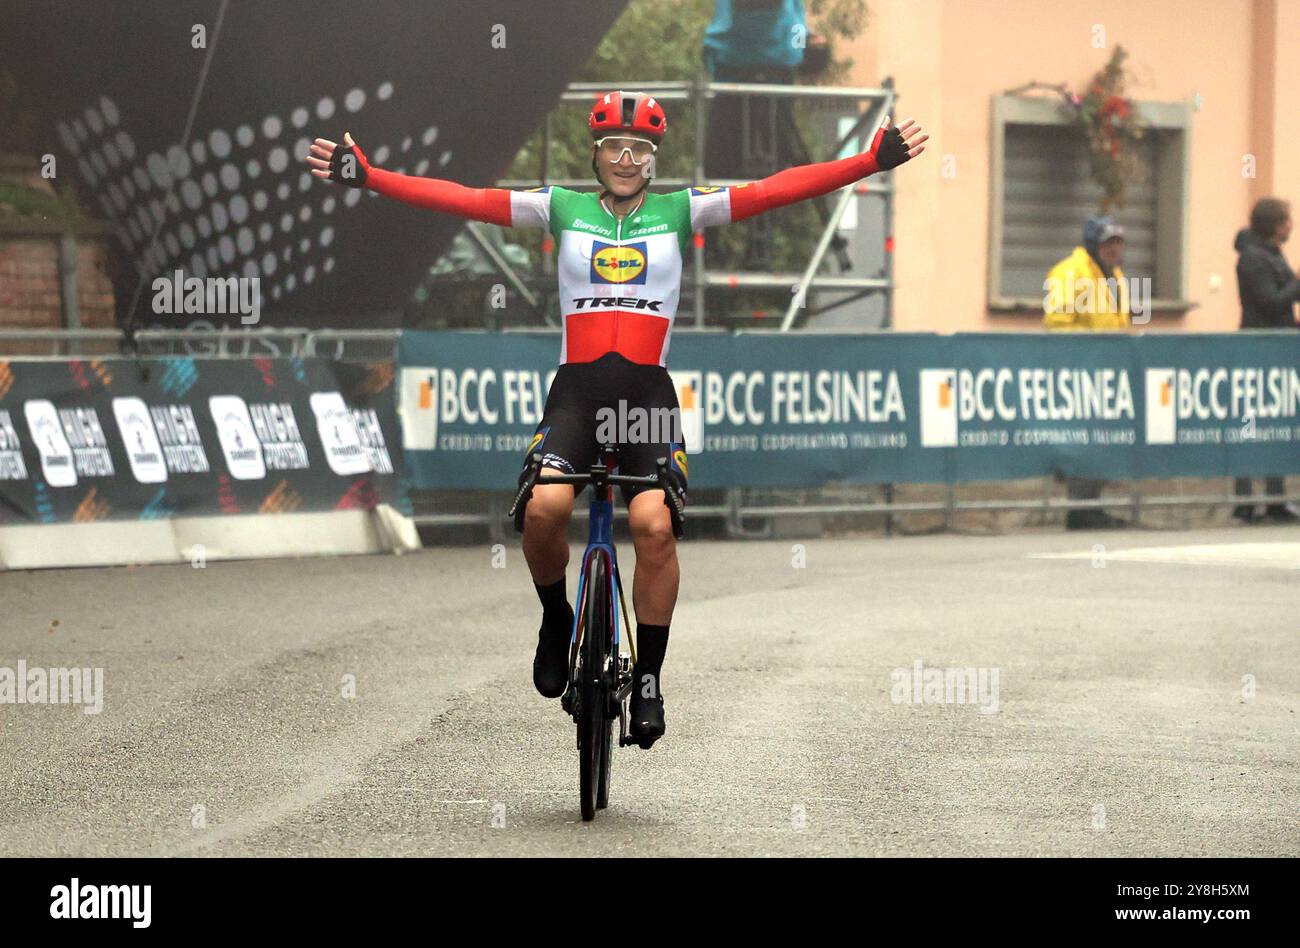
(872, 106)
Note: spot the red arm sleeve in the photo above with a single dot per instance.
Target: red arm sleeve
(799, 184)
(489, 205)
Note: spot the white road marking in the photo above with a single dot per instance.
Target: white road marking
(1252, 555)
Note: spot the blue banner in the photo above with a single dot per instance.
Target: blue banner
(804, 410)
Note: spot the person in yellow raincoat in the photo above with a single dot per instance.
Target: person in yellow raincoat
(1087, 291)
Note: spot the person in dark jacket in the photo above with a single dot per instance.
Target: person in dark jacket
(1269, 291)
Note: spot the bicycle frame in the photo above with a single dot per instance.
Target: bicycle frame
(600, 537)
(600, 542)
(611, 684)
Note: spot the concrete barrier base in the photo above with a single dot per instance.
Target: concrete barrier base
(199, 539)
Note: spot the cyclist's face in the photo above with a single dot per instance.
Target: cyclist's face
(624, 163)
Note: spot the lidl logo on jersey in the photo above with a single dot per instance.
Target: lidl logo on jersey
(615, 263)
(700, 192)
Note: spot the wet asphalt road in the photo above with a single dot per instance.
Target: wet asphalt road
(1145, 704)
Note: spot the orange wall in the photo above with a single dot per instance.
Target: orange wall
(949, 58)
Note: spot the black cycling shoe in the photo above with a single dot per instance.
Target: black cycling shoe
(551, 664)
(645, 719)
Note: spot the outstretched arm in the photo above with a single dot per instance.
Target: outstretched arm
(347, 165)
(889, 149)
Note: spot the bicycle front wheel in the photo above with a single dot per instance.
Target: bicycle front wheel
(594, 724)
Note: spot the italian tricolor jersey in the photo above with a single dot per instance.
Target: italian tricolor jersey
(620, 281)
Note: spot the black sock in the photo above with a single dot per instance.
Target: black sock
(651, 644)
(554, 598)
(556, 612)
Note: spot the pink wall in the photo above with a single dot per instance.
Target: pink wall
(949, 58)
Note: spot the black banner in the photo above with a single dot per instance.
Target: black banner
(82, 441)
(1224, 900)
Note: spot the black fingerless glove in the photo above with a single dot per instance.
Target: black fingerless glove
(349, 166)
(892, 150)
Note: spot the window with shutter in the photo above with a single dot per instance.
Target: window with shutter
(1042, 193)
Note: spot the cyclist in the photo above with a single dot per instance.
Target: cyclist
(620, 255)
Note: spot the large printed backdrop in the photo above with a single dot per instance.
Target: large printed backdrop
(90, 440)
(443, 88)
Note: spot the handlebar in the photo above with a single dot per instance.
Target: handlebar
(597, 476)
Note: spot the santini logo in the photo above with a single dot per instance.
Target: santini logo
(103, 901)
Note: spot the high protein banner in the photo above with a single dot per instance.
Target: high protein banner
(802, 410)
(93, 440)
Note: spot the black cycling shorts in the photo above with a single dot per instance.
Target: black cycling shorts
(584, 404)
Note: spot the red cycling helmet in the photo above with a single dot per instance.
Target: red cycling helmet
(627, 112)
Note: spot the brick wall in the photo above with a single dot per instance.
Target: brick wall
(30, 233)
(29, 282)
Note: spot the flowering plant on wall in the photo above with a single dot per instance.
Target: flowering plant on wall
(1110, 127)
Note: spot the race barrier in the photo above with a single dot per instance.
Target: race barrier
(154, 459)
(807, 409)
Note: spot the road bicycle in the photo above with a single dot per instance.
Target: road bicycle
(600, 672)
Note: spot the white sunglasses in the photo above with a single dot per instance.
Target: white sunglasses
(644, 147)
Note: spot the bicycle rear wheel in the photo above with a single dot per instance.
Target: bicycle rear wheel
(594, 724)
